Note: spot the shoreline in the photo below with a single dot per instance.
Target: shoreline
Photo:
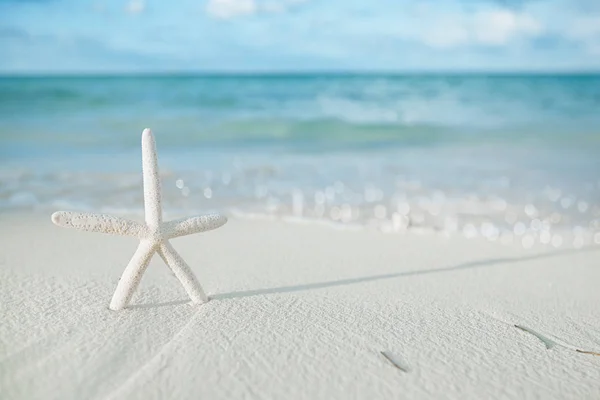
(297, 311)
(530, 239)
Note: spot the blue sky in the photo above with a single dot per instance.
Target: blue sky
(292, 35)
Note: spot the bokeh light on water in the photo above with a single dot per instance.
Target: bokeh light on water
(448, 155)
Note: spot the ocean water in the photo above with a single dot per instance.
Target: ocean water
(507, 157)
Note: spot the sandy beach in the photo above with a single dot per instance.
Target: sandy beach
(310, 200)
(297, 311)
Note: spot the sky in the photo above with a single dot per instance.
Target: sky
(90, 36)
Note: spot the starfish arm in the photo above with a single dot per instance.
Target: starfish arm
(151, 178)
(183, 272)
(98, 223)
(133, 274)
(187, 226)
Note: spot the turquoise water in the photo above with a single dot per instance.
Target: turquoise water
(509, 157)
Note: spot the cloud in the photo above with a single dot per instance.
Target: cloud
(12, 33)
(300, 34)
(42, 53)
(228, 9)
(25, 1)
(445, 33)
(498, 27)
(495, 27)
(135, 6)
(586, 30)
(582, 5)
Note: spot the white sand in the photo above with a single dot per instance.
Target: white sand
(298, 312)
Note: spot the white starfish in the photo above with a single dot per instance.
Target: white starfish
(154, 235)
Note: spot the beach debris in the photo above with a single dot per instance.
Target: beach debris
(588, 352)
(154, 234)
(395, 361)
(549, 343)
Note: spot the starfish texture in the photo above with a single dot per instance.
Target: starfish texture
(154, 235)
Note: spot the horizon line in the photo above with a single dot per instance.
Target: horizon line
(297, 73)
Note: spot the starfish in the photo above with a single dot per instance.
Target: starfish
(154, 234)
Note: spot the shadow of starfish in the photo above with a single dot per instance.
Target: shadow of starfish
(363, 279)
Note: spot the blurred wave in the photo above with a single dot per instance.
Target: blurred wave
(513, 156)
(344, 109)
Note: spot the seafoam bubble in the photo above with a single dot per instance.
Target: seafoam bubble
(567, 202)
(510, 217)
(490, 231)
(527, 241)
(546, 225)
(555, 218)
(557, 240)
(597, 238)
(519, 228)
(346, 213)
(208, 193)
(179, 183)
(487, 229)
(531, 211)
(545, 237)
(536, 224)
